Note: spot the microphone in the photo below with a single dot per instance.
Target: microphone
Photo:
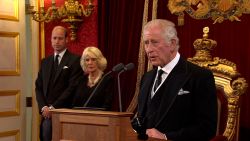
(129, 66)
(116, 68)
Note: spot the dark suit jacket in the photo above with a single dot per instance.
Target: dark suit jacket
(65, 78)
(191, 115)
(102, 97)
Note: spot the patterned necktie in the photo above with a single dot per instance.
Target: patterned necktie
(158, 80)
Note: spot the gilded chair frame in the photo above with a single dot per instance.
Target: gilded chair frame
(227, 80)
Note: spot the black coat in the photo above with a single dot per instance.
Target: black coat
(182, 117)
(65, 78)
(102, 98)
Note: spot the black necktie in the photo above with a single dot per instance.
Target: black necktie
(158, 80)
(56, 62)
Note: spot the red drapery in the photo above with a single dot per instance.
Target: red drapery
(119, 38)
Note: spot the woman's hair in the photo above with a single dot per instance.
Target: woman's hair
(93, 52)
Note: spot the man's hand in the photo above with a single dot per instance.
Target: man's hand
(154, 133)
(45, 112)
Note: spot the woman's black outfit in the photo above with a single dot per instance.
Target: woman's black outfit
(102, 97)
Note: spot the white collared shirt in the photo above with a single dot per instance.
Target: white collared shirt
(60, 55)
(167, 69)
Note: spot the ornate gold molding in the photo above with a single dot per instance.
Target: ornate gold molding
(218, 10)
(9, 10)
(12, 133)
(11, 41)
(227, 79)
(15, 109)
(72, 12)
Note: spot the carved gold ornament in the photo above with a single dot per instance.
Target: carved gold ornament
(218, 10)
(72, 12)
(227, 79)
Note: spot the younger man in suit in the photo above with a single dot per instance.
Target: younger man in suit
(56, 80)
(177, 99)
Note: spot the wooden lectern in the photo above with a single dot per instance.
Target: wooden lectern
(90, 125)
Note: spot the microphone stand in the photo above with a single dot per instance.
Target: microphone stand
(126, 68)
(92, 94)
(116, 68)
(119, 90)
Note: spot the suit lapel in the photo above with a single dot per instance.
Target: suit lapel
(48, 71)
(170, 88)
(145, 89)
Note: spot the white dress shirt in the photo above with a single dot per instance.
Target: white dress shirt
(167, 69)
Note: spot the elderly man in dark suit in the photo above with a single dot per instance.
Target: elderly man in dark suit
(177, 99)
(56, 80)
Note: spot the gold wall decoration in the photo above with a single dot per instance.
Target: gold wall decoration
(11, 134)
(9, 10)
(217, 10)
(9, 54)
(10, 103)
(227, 79)
(72, 12)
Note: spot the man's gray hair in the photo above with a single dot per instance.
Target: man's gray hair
(168, 29)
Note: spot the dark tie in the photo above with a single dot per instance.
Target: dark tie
(56, 62)
(158, 80)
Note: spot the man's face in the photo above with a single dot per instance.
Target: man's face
(159, 52)
(58, 40)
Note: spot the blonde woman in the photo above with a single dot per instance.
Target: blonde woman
(93, 64)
